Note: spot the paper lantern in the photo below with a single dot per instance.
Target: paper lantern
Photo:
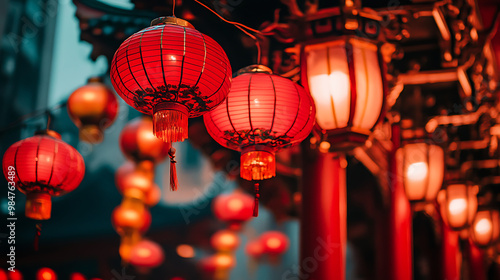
(134, 182)
(254, 249)
(42, 167)
(225, 241)
(458, 205)
(127, 219)
(92, 107)
(274, 242)
(15, 275)
(46, 274)
(423, 170)
(262, 113)
(485, 230)
(219, 263)
(172, 72)
(234, 208)
(146, 255)
(138, 143)
(77, 276)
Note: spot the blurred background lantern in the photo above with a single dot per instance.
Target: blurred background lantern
(262, 113)
(3, 274)
(41, 167)
(234, 208)
(77, 276)
(225, 241)
(15, 275)
(254, 249)
(458, 204)
(218, 265)
(136, 185)
(274, 243)
(485, 230)
(92, 107)
(46, 274)
(176, 74)
(423, 170)
(146, 255)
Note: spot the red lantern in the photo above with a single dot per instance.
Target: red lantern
(274, 242)
(41, 167)
(15, 275)
(220, 262)
(126, 219)
(171, 71)
(234, 208)
(262, 113)
(46, 274)
(146, 255)
(254, 249)
(458, 205)
(77, 276)
(225, 241)
(3, 275)
(485, 230)
(138, 143)
(92, 107)
(133, 182)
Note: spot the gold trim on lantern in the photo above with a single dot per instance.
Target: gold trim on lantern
(172, 21)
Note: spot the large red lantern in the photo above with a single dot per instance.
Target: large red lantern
(234, 208)
(172, 72)
(92, 107)
(458, 205)
(225, 241)
(42, 166)
(262, 113)
(146, 255)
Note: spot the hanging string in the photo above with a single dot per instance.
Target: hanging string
(173, 8)
(241, 27)
(48, 120)
(31, 115)
(256, 201)
(173, 170)
(38, 232)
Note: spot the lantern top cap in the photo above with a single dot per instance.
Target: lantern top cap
(171, 20)
(49, 132)
(255, 68)
(95, 79)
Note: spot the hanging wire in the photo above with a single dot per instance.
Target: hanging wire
(173, 8)
(245, 29)
(48, 120)
(32, 115)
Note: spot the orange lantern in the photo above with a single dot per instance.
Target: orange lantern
(234, 208)
(92, 107)
(134, 182)
(423, 169)
(126, 219)
(458, 205)
(225, 241)
(46, 274)
(343, 69)
(220, 262)
(485, 229)
(274, 242)
(146, 255)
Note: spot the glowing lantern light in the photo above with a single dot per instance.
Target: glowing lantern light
(225, 241)
(3, 275)
(46, 274)
(220, 262)
(171, 72)
(185, 251)
(254, 249)
(274, 242)
(458, 205)
(15, 275)
(41, 167)
(485, 229)
(234, 208)
(146, 255)
(423, 169)
(92, 107)
(262, 113)
(77, 276)
(129, 219)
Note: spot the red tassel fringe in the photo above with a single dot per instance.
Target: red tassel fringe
(256, 202)
(173, 170)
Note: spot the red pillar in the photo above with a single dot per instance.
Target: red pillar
(401, 260)
(450, 253)
(477, 269)
(323, 225)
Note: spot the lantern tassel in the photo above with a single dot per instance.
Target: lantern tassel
(38, 232)
(173, 170)
(256, 202)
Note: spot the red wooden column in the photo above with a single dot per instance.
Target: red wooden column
(450, 253)
(323, 222)
(476, 264)
(401, 257)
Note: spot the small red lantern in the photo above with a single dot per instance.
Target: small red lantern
(234, 208)
(219, 263)
(133, 182)
(485, 230)
(146, 255)
(172, 72)
(254, 249)
(41, 167)
(458, 205)
(46, 274)
(225, 241)
(262, 113)
(77, 276)
(274, 242)
(92, 107)
(127, 219)
(15, 275)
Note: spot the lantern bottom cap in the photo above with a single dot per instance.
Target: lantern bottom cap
(38, 206)
(258, 165)
(170, 122)
(91, 134)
